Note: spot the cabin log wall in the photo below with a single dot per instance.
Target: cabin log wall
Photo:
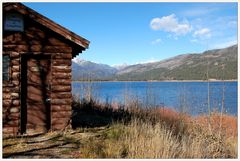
(37, 40)
(11, 96)
(61, 97)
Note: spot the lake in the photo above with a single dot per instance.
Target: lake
(190, 97)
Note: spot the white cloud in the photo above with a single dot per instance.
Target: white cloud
(157, 41)
(170, 24)
(203, 33)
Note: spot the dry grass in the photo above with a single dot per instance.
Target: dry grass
(141, 139)
(165, 133)
(225, 124)
(145, 140)
(133, 132)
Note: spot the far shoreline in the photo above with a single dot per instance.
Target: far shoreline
(210, 80)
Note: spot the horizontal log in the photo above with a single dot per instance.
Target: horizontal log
(61, 75)
(61, 67)
(35, 42)
(7, 86)
(59, 70)
(6, 89)
(15, 89)
(15, 95)
(14, 54)
(64, 121)
(62, 62)
(15, 38)
(5, 111)
(15, 62)
(61, 81)
(30, 35)
(32, 39)
(61, 95)
(57, 49)
(61, 108)
(16, 75)
(10, 130)
(17, 48)
(62, 70)
(62, 56)
(37, 48)
(14, 110)
(35, 33)
(14, 116)
(14, 123)
(39, 53)
(6, 96)
(61, 115)
(7, 103)
(65, 69)
(61, 88)
(53, 41)
(15, 82)
(61, 101)
(16, 102)
(15, 68)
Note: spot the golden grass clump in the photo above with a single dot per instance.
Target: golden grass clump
(147, 140)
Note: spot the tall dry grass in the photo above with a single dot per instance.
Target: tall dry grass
(164, 133)
(146, 140)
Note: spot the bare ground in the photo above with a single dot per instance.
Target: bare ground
(65, 144)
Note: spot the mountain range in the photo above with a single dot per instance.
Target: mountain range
(211, 64)
(87, 70)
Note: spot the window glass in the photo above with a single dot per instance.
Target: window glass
(5, 67)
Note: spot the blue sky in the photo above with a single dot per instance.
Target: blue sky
(143, 32)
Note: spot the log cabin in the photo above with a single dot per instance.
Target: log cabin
(36, 71)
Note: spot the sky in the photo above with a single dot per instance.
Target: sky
(131, 33)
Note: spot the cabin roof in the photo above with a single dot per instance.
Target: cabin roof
(78, 41)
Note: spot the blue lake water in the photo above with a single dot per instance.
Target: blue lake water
(190, 97)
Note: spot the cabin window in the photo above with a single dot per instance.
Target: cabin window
(5, 66)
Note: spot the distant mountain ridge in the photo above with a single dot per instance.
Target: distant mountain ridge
(211, 64)
(87, 70)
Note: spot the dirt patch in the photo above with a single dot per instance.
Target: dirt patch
(50, 145)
